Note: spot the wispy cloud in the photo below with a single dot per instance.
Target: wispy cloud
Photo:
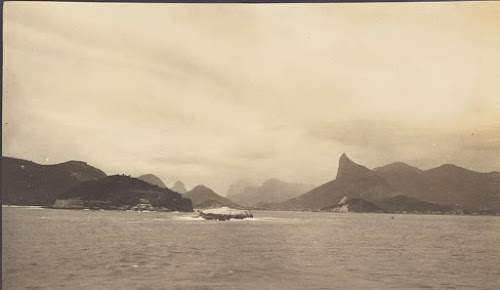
(216, 93)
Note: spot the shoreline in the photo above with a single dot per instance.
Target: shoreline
(270, 210)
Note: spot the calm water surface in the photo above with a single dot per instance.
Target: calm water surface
(63, 249)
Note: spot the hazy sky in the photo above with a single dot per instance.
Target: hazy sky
(213, 93)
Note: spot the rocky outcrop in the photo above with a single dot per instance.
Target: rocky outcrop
(144, 205)
(225, 213)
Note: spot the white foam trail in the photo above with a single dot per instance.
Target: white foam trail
(256, 219)
(189, 218)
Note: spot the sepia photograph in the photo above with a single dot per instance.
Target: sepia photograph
(249, 146)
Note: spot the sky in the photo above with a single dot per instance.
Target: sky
(215, 93)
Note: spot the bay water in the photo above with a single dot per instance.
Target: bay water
(78, 249)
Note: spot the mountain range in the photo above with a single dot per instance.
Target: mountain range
(28, 183)
(396, 187)
(271, 190)
(447, 184)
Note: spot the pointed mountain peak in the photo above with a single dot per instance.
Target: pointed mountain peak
(344, 159)
(348, 168)
(179, 187)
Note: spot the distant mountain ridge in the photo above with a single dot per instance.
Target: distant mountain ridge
(28, 183)
(152, 179)
(271, 190)
(179, 187)
(202, 196)
(395, 187)
(444, 185)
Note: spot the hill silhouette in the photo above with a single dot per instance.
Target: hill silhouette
(28, 183)
(202, 196)
(122, 192)
(152, 179)
(446, 184)
(179, 187)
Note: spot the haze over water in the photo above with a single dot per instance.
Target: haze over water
(61, 249)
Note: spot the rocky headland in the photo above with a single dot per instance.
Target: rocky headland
(225, 213)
